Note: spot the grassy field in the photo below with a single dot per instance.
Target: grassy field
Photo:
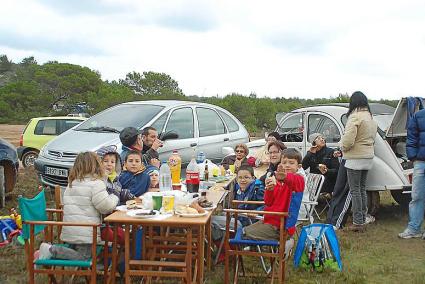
(376, 256)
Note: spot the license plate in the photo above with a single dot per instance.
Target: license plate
(56, 172)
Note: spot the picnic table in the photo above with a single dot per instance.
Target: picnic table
(175, 234)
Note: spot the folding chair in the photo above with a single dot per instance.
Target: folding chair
(313, 186)
(35, 221)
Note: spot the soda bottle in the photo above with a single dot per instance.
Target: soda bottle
(175, 163)
(192, 176)
(164, 177)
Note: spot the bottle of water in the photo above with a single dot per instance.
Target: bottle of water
(200, 158)
(165, 177)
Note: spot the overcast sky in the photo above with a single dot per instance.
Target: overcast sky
(271, 48)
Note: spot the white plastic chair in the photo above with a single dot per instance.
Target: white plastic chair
(313, 186)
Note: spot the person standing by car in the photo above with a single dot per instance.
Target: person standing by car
(151, 143)
(131, 140)
(320, 160)
(357, 148)
(415, 149)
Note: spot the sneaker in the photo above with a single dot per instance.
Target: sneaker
(45, 251)
(369, 219)
(407, 234)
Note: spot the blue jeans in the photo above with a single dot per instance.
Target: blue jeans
(417, 205)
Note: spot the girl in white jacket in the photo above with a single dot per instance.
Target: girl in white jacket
(85, 199)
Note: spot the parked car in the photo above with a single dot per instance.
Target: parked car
(198, 126)
(391, 170)
(41, 130)
(9, 165)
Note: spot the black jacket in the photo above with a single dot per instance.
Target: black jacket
(323, 156)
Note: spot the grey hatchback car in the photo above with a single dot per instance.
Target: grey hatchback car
(199, 127)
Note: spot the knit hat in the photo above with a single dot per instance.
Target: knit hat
(128, 136)
(275, 135)
(152, 170)
(313, 137)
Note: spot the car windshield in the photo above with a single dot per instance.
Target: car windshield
(119, 117)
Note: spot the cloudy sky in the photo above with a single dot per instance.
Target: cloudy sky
(271, 48)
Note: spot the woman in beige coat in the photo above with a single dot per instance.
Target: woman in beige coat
(357, 147)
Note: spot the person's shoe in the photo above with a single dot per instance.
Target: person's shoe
(369, 219)
(407, 234)
(45, 251)
(357, 228)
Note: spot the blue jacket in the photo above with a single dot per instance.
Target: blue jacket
(138, 183)
(254, 192)
(415, 144)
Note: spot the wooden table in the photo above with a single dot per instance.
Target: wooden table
(201, 225)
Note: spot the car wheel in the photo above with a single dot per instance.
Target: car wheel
(28, 158)
(2, 187)
(401, 198)
(373, 202)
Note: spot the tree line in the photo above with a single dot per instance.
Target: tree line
(29, 89)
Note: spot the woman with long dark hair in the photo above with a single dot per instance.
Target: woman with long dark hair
(357, 146)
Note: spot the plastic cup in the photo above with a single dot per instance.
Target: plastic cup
(157, 202)
(168, 203)
(232, 168)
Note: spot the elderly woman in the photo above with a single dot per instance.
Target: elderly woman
(320, 159)
(241, 152)
(275, 149)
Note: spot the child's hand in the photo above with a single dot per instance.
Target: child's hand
(280, 173)
(270, 183)
(138, 200)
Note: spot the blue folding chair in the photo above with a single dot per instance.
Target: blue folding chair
(34, 222)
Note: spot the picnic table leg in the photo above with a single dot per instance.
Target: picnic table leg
(127, 254)
(209, 241)
(201, 248)
(114, 255)
(189, 256)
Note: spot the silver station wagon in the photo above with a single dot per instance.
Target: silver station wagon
(197, 126)
(391, 169)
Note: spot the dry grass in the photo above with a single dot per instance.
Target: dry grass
(376, 256)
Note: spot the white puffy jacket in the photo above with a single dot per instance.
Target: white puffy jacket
(85, 201)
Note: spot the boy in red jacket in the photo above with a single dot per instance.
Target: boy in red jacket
(277, 197)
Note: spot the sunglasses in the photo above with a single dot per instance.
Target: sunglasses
(240, 151)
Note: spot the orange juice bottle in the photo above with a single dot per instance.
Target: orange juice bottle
(175, 163)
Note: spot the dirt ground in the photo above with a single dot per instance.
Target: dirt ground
(11, 133)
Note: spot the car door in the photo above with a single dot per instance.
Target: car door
(236, 133)
(180, 121)
(213, 134)
(291, 128)
(319, 122)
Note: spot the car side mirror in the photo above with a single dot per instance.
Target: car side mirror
(168, 136)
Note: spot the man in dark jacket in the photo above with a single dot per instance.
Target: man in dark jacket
(131, 139)
(415, 149)
(320, 159)
(151, 143)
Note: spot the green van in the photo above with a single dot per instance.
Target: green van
(41, 130)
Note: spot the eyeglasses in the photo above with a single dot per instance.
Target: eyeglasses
(240, 151)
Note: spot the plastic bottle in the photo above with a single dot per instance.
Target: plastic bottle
(164, 177)
(206, 172)
(200, 158)
(175, 163)
(192, 176)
